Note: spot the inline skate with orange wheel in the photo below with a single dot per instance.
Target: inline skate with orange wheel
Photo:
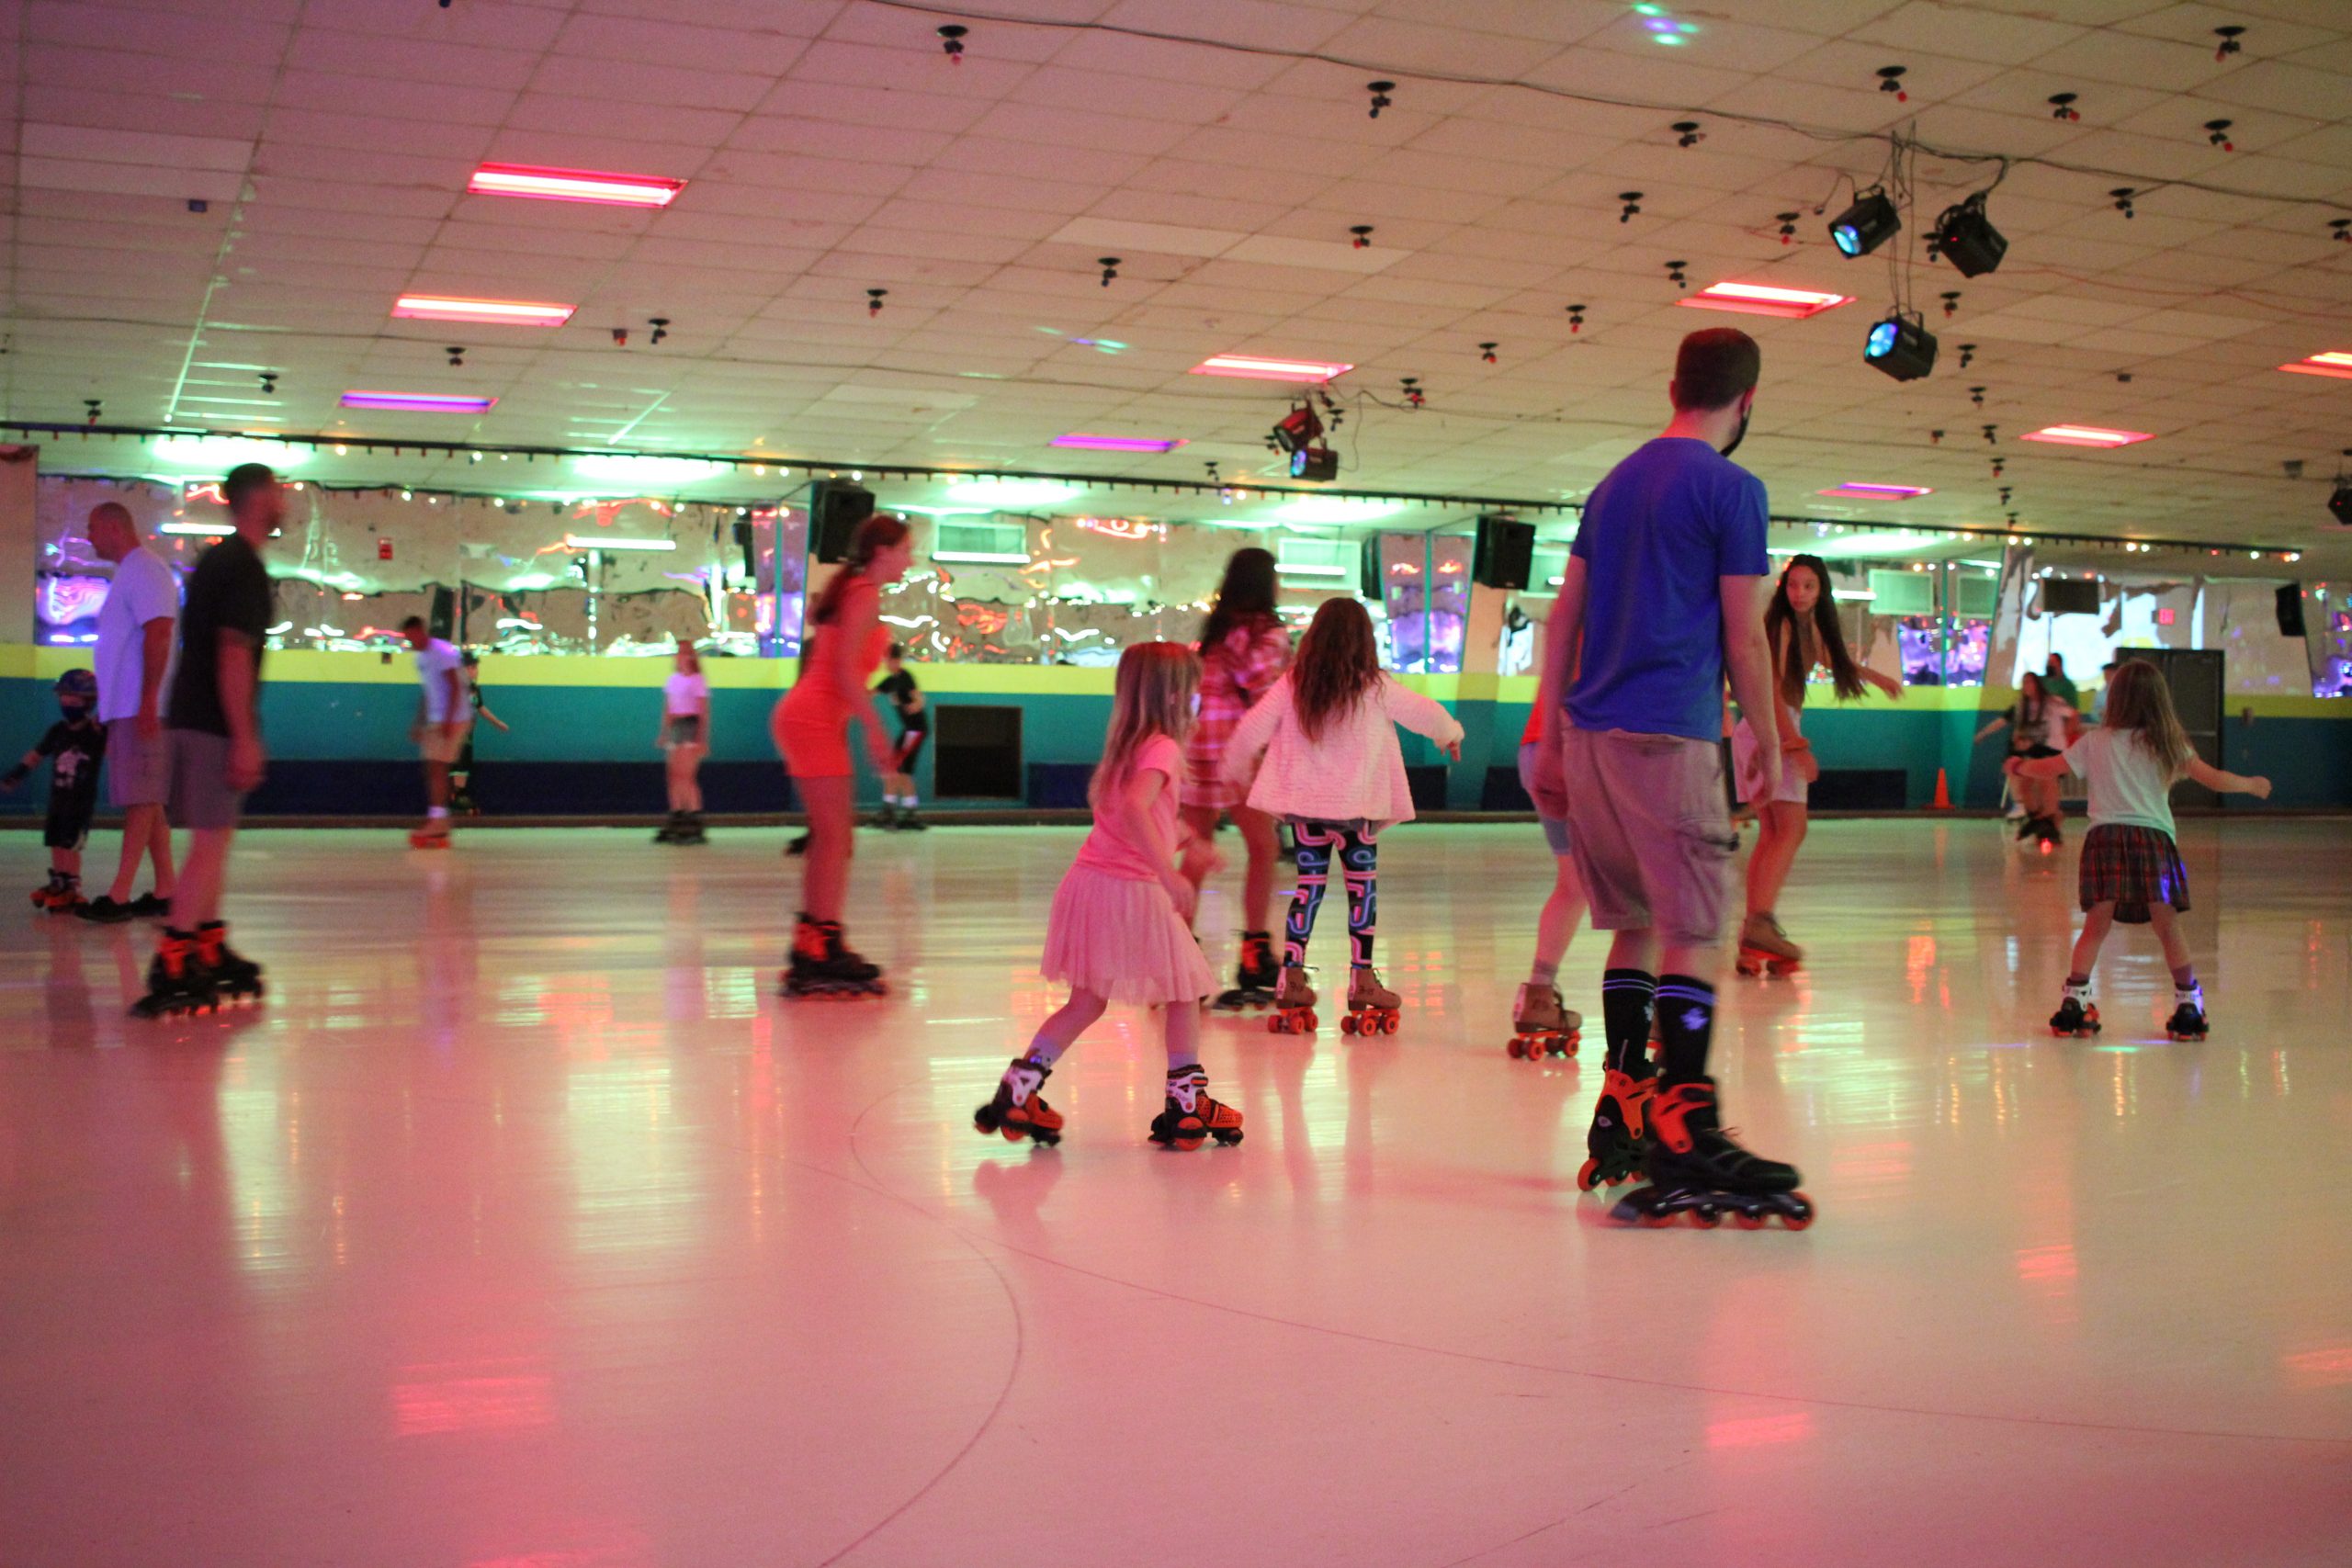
(1696, 1168)
(1613, 1143)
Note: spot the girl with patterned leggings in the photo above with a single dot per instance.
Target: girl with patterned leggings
(1333, 768)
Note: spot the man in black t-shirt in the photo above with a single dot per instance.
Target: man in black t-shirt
(215, 721)
(914, 728)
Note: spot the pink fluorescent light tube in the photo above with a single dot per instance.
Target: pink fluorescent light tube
(418, 402)
(573, 185)
(2085, 435)
(481, 312)
(1118, 442)
(1254, 370)
(1866, 492)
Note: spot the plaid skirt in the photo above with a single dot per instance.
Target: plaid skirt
(2132, 868)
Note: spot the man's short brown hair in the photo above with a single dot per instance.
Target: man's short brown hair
(1714, 367)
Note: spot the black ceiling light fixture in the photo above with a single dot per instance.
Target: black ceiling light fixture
(457, 353)
(1297, 429)
(1487, 352)
(1868, 224)
(93, 407)
(269, 383)
(1362, 233)
(1380, 98)
(660, 325)
(1787, 222)
(2340, 502)
(1890, 80)
(2122, 195)
(1110, 265)
(873, 298)
(2229, 37)
(2062, 107)
(1674, 275)
(1633, 205)
(1951, 303)
(1576, 318)
(1966, 238)
(2217, 131)
(1901, 347)
(1413, 392)
(1967, 354)
(1687, 133)
(951, 38)
(2340, 229)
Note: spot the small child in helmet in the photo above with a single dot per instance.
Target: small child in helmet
(73, 746)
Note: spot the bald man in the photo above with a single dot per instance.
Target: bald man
(135, 631)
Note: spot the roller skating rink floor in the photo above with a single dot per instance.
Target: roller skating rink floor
(524, 1226)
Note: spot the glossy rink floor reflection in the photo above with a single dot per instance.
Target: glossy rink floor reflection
(525, 1226)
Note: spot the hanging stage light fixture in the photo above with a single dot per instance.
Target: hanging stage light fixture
(1868, 224)
(1966, 238)
(1901, 347)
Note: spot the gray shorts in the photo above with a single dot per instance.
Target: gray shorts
(1652, 839)
(201, 796)
(139, 771)
(1555, 828)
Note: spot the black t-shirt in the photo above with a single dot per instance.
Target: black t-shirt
(229, 590)
(73, 751)
(900, 690)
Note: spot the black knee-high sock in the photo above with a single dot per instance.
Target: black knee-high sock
(1626, 1019)
(1686, 1016)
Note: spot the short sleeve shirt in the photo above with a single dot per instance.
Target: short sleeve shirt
(229, 590)
(1109, 849)
(901, 689)
(73, 751)
(1668, 520)
(434, 660)
(144, 590)
(2129, 788)
(684, 696)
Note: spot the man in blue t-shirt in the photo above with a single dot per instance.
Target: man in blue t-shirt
(1662, 594)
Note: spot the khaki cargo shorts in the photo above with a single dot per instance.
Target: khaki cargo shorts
(1651, 835)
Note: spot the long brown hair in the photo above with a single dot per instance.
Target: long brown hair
(1339, 662)
(1780, 626)
(1246, 597)
(2139, 701)
(874, 536)
(1152, 695)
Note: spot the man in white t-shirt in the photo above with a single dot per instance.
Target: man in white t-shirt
(136, 631)
(443, 716)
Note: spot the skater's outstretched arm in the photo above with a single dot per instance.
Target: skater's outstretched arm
(1421, 715)
(2221, 783)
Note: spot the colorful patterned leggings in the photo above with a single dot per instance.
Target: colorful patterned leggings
(1359, 865)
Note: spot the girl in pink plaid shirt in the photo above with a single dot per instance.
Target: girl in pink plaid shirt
(1244, 650)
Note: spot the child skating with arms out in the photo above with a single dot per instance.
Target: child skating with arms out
(1121, 928)
(2130, 868)
(1332, 767)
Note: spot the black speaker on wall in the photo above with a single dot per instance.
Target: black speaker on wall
(1505, 555)
(835, 509)
(442, 621)
(2290, 609)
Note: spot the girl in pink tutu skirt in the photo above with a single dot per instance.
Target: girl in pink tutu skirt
(1121, 929)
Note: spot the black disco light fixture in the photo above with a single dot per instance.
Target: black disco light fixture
(1868, 224)
(2341, 501)
(1317, 465)
(1966, 238)
(1902, 347)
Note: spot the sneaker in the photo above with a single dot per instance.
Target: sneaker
(105, 911)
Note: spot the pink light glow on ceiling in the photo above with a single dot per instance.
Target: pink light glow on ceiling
(1764, 299)
(2085, 435)
(1118, 442)
(481, 312)
(1862, 491)
(573, 185)
(1254, 370)
(2334, 361)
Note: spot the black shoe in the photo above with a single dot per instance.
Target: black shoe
(910, 823)
(147, 907)
(887, 819)
(798, 846)
(105, 911)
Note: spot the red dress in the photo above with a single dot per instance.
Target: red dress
(811, 721)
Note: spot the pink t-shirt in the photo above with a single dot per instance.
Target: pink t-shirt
(1106, 849)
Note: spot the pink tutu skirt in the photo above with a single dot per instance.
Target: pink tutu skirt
(1121, 939)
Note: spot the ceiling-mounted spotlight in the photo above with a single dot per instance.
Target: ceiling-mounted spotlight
(660, 325)
(1675, 276)
(1487, 352)
(951, 38)
(1576, 318)
(1951, 303)
(1362, 233)
(1992, 435)
(1380, 98)
(2000, 466)
(1967, 354)
(1788, 221)
(873, 298)
(1868, 224)
(1890, 80)
(1413, 392)
(1901, 347)
(1633, 205)
(1110, 265)
(1298, 428)
(92, 405)
(1316, 464)
(1976, 396)
(620, 337)
(2122, 195)
(2340, 502)
(2062, 107)
(269, 383)
(457, 353)
(1966, 238)
(1687, 133)
(2007, 491)
(2217, 131)
(2229, 37)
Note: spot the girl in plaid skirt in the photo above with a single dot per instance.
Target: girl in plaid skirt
(2130, 866)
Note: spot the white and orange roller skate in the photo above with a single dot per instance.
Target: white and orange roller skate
(1765, 947)
(1293, 1003)
(1372, 1006)
(1544, 1026)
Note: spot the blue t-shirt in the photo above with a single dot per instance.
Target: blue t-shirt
(1667, 522)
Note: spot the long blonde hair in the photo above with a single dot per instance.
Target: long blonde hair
(1153, 696)
(2139, 701)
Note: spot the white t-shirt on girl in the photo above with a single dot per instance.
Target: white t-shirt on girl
(2129, 788)
(686, 695)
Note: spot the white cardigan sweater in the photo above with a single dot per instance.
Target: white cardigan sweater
(1354, 771)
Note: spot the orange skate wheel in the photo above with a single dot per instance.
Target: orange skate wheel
(1388, 1023)
(1705, 1219)
(1746, 1221)
(1348, 1024)
(1587, 1175)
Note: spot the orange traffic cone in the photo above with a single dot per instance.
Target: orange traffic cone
(1943, 791)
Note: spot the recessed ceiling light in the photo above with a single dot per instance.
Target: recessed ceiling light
(1254, 370)
(2085, 435)
(417, 402)
(2335, 362)
(488, 313)
(1764, 299)
(573, 185)
(1118, 442)
(1863, 490)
